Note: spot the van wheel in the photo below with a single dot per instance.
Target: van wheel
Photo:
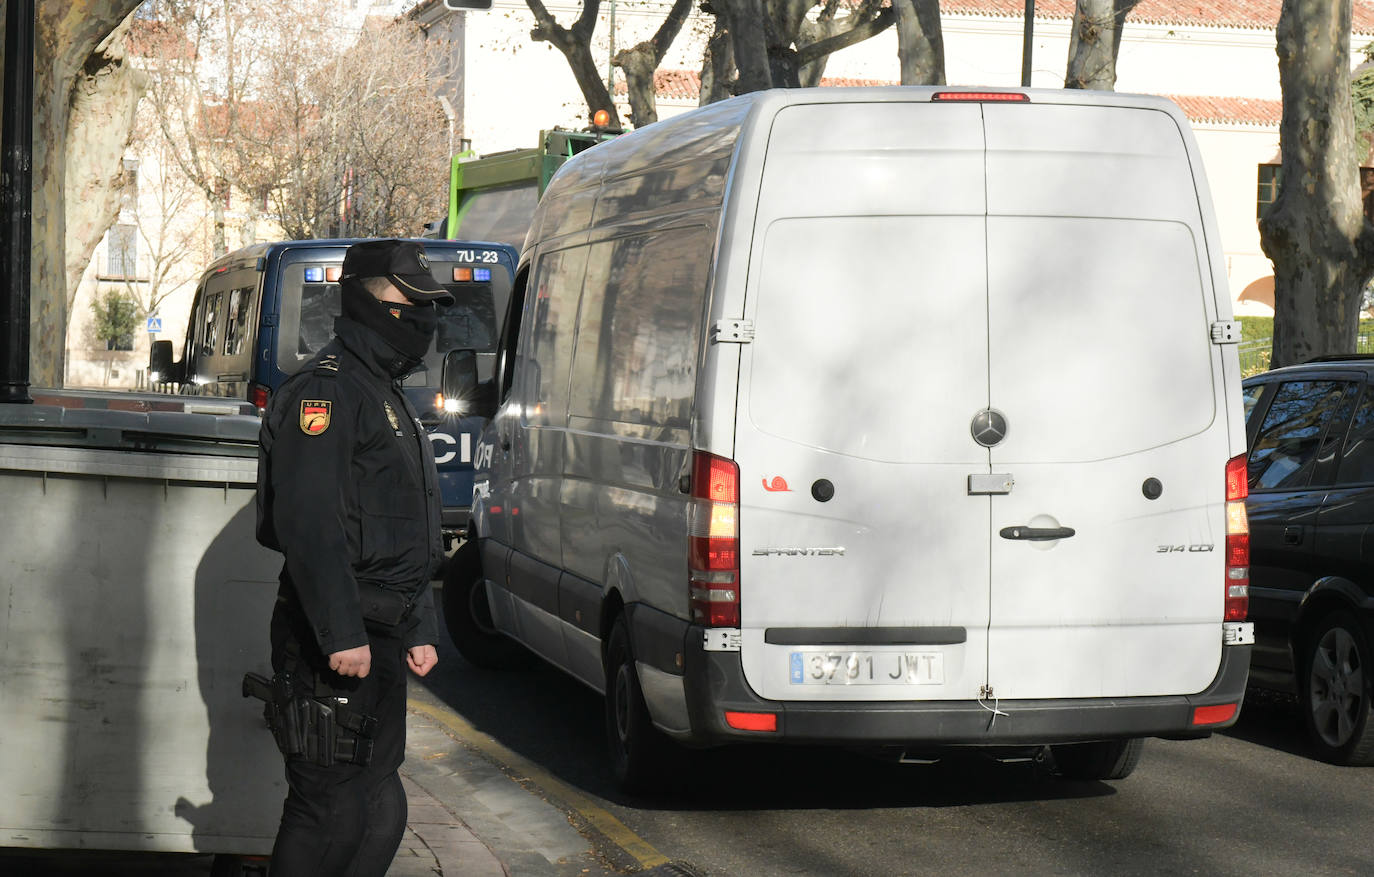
(1336, 690)
(1100, 760)
(468, 615)
(638, 750)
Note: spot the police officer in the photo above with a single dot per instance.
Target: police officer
(348, 493)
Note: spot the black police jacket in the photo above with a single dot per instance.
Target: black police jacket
(347, 489)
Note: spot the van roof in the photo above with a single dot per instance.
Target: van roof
(709, 131)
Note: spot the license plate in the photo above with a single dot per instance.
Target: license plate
(867, 668)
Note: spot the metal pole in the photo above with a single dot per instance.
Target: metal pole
(610, 68)
(16, 201)
(1027, 43)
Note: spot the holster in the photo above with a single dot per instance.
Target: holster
(322, 730)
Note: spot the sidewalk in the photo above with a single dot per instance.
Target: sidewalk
(436, 841)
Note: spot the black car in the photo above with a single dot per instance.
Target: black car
(1310, 432)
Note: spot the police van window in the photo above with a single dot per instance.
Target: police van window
(470, 323)
(210, 327)
(319, 306)
(1285, 451)
(236, 325)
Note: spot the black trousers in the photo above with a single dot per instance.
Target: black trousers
(344, 820)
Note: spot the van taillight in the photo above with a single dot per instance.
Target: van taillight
(257, 394)
(713, 541)
(1237, 540)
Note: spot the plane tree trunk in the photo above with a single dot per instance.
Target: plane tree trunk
(85, 92)
(1316, 233)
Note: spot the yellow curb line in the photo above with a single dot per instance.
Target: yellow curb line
(597, 816)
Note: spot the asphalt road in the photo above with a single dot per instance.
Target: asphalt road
(1249, 801)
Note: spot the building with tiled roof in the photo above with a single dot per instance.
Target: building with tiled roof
(1215, 58)
(1226, 14)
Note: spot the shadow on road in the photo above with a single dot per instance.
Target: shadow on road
(557, 723)
(1272, 720)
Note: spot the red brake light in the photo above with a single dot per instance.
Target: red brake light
(752, 721)
(1237, 600)
(1214, 715)
(258, 394)
(1014, 97)
(713, 541)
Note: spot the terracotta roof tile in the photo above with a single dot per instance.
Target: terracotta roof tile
(1250, 14)
(686, 85)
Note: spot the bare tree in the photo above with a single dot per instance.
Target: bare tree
(775, 44)
(641, 61)
(203, 55)
(1316, 234)
(354, 144)
(1095, 42)
(576, 45)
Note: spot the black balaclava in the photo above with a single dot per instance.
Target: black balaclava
(409, 328)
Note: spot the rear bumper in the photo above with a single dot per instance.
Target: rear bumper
(715, 684)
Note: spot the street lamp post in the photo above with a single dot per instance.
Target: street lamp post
(16, 201)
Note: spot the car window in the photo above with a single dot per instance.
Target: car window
(1286, 449)
(1357, 460)
(1251, 396)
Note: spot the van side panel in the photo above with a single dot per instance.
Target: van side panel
(629, 438)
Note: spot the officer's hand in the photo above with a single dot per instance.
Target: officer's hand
(421, 659)
(352, 662)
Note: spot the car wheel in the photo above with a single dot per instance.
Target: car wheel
(1336, 690)
(638, 750)
(468, 615)
(1099, 760)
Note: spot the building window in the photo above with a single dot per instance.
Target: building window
(128, 195)
(121, 249)
(1268, 188)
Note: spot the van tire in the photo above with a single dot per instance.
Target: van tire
(1336, 681)
(468, 616)
(638, 750)
(1100, 760)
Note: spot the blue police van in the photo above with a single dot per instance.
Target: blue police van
(261, 312)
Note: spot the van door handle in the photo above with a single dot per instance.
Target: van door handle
(1292, 535)
(1037, 534)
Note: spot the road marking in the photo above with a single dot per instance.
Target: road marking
(595, 815)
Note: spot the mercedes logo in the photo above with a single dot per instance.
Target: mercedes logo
(989, 427)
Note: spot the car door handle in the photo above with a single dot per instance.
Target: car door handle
(1037, 534)
(1292, 535)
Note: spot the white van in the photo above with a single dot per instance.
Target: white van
(897, 416)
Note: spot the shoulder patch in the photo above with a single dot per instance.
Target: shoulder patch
(315, 415)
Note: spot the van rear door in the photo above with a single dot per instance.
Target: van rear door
(864, 567)
(1099, 302)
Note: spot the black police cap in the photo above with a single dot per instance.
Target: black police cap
(402, 262)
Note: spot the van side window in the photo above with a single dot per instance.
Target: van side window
(640, 329)
(505, 355)
(1285, 451)
(236, 325)
(214, 304)
(552, 322)
(1357, 460)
